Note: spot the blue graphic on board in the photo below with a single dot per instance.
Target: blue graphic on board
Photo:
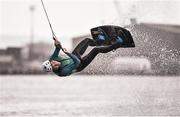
(101, 37)
(119, 39)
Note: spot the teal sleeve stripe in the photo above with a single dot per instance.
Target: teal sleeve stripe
(55, 54)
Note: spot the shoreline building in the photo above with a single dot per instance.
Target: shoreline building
(10, 60)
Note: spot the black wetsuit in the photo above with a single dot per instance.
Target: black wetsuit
(86, 60)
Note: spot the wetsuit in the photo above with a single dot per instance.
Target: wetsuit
(74, 62)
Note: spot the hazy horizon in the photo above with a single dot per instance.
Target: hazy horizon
(72, 18)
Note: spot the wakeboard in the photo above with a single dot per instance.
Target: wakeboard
(108, 34)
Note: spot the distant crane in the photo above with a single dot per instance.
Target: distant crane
(117, 7)
(124, 17)
(32, 9)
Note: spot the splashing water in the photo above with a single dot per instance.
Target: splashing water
(151, 43)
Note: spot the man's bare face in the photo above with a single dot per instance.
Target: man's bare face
(55, 64)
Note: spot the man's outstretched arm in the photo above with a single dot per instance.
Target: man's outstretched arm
(55, 53)
(57, 49)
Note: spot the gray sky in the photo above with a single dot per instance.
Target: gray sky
(75, 17)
